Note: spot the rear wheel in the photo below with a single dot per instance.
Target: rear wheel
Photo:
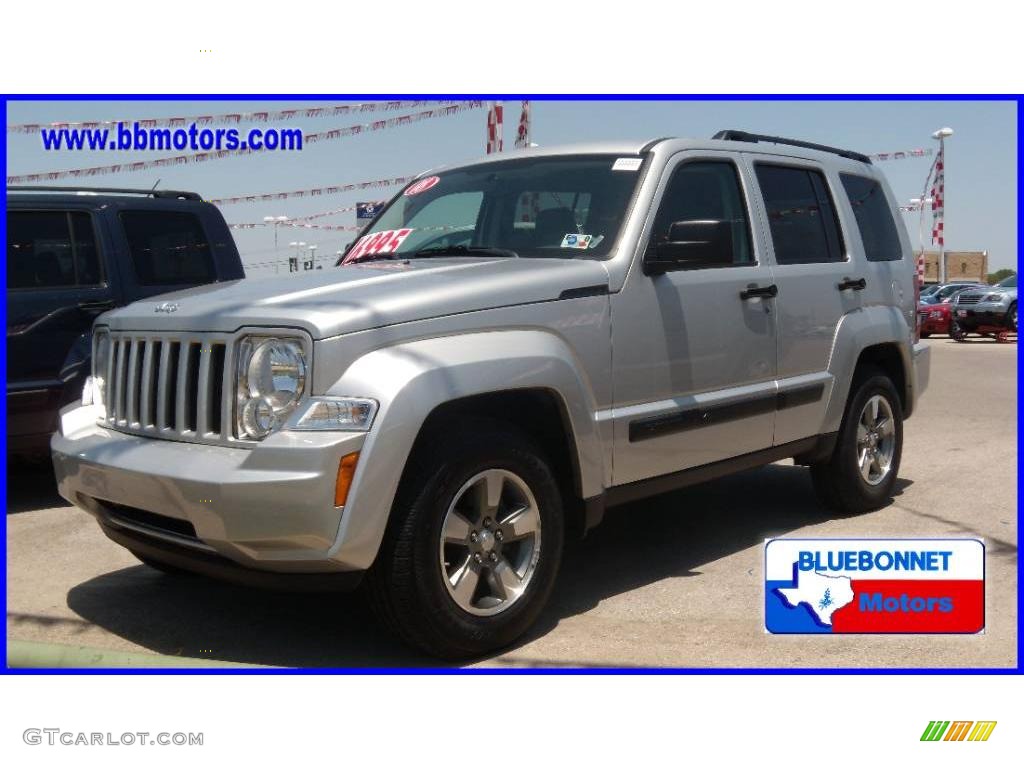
(861, 473)
(474, 543)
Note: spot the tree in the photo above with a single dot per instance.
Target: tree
(1000, 274)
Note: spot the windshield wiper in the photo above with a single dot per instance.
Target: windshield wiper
(463, 250)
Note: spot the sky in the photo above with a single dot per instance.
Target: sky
(981, 157)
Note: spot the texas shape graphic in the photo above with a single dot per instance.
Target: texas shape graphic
(824, 595)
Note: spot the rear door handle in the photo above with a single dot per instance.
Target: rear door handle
(850, 284)
(766, 292)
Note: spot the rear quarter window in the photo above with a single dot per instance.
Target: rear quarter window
(168, 248)
(874, 218)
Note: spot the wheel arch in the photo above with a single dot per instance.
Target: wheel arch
(875, 336)
(527, 378)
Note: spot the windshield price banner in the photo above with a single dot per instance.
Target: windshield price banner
(875, 586)
(386, 241)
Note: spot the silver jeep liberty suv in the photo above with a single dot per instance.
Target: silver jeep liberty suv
(511, 347)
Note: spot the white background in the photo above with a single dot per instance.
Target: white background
(513, 48)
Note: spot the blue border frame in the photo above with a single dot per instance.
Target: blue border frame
(1018, 98)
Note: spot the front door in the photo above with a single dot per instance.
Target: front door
(694, 348)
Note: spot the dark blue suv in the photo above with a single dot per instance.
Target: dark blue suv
(73, 253)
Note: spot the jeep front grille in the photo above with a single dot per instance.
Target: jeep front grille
(170, 386)
(970, 298)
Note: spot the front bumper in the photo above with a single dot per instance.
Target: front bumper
(268, 507)
(977, 315)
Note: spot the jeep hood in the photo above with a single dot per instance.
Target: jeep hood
(358, 297)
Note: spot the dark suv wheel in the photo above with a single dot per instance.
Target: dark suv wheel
(473, 545)
(861, 473)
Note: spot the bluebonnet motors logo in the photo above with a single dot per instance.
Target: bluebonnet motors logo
(881, 586)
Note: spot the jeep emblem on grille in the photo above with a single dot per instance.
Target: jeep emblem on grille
(167, 306)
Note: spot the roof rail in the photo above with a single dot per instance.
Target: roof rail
(733, 135)
(157, 193)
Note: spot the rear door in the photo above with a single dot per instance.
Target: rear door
(57, 283)
(817, 279)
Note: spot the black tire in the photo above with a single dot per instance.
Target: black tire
(405, 585)
(1011, 317)
(838, 482)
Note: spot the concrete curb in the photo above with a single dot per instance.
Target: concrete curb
(23, 654)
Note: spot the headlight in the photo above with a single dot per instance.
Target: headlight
(994, 297)
(344, 414)
(271, 379)
(100, 363)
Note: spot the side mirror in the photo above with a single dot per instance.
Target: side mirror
(691, 245)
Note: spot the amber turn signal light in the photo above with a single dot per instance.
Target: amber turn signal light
(346, 469)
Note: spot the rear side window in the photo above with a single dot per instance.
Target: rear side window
(168, 248)
(51, 249)
(801, 216)
(874, 218)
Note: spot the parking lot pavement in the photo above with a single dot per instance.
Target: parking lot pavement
(673, 581)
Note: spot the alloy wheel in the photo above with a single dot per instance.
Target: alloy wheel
(876, 440)
(490, 542)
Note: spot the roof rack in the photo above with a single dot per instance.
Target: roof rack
(733, 135)
(162, 194)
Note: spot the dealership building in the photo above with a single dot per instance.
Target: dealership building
(961, 266)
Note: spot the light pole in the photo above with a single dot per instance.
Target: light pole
(940, 176)
(276, 222)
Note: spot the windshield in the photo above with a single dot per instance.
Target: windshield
(1009, 282)
(543, 207)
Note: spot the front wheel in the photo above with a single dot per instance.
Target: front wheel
(1011, 318)
(474, 543)
(861, 474)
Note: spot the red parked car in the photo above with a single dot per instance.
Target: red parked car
(935, 318)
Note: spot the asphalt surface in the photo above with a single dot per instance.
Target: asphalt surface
(673, 581)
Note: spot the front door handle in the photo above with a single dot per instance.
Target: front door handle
(766, 292)
(850, 284)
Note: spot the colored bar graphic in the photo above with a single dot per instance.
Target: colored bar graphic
(982, 730)
(935, 730)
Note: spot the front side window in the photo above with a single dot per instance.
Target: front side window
(705, 191)
(168, 248)
(801, 216)
(541, 207)
(874, 218)
(51, 249)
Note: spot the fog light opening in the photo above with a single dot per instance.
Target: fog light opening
(346, 469)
